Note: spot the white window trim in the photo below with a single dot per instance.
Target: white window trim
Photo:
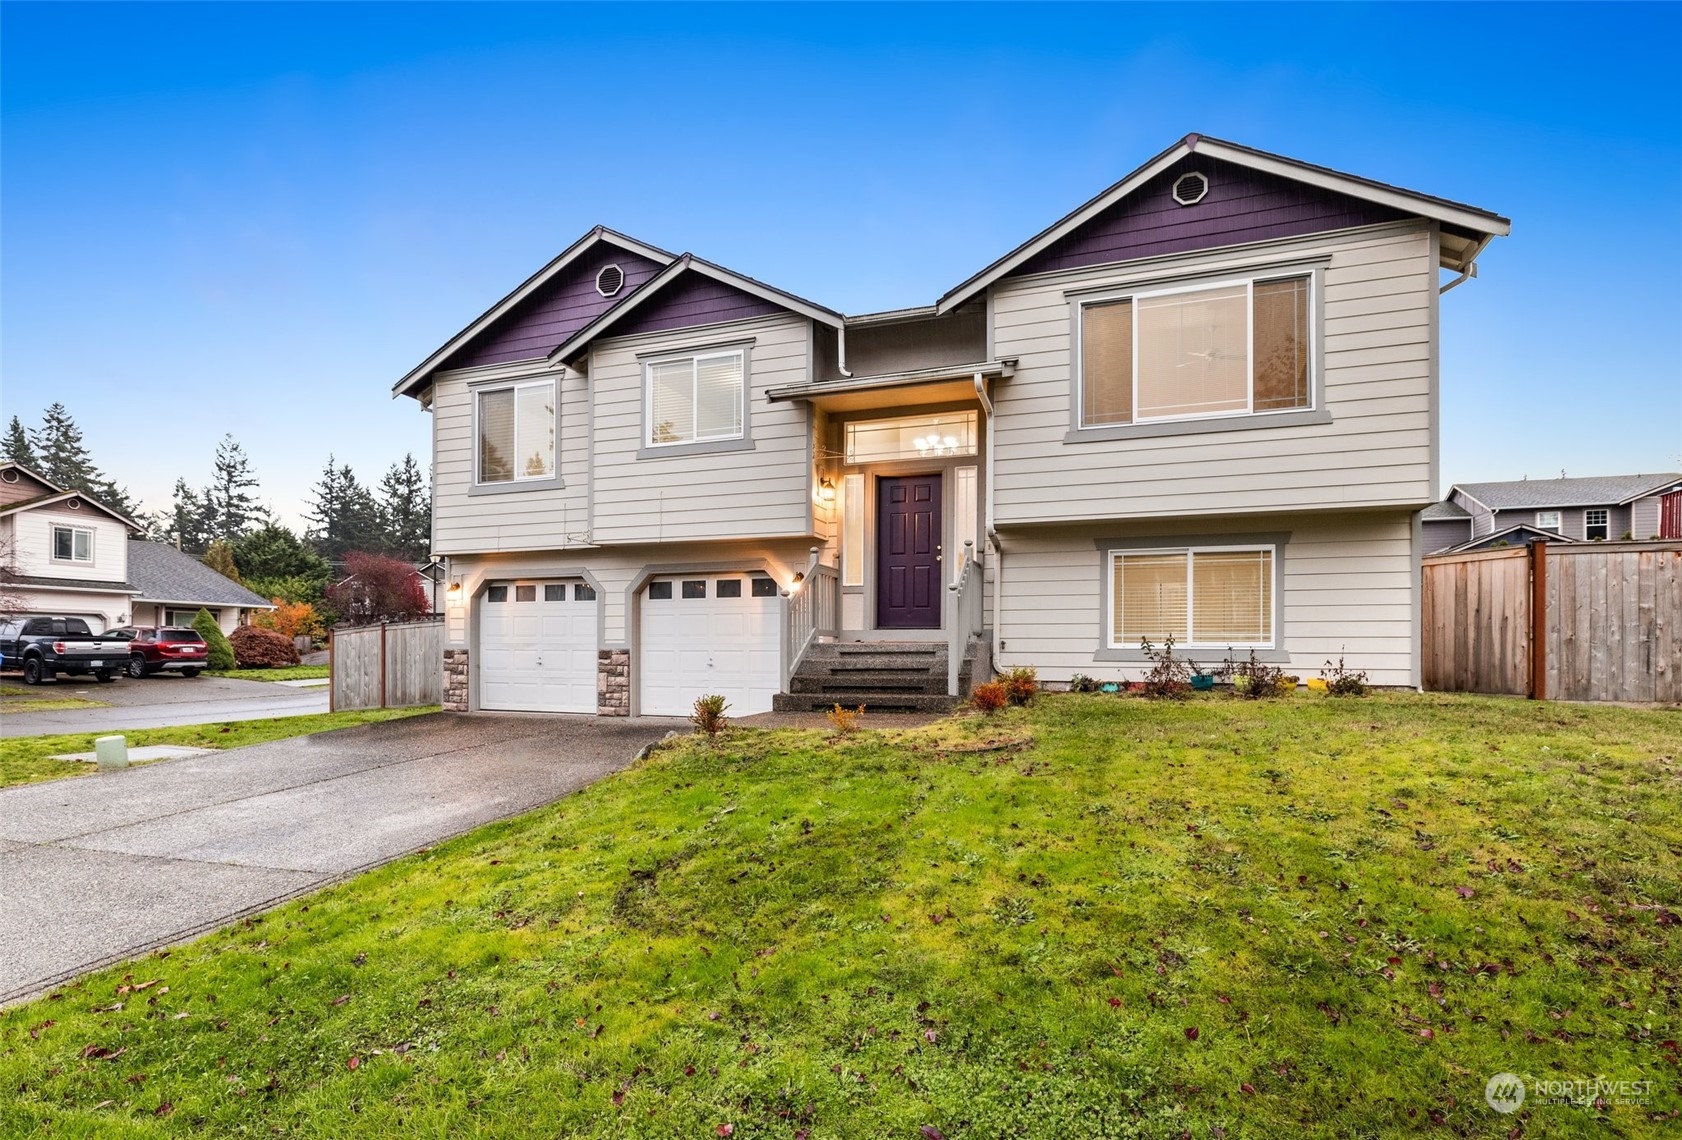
(479, 479)
(74, 530)
(1191, 594)
(694, 359)
(1557, 525)
(1604, 521)
(1249, 282)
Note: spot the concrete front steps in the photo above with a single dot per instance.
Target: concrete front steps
(884, 676)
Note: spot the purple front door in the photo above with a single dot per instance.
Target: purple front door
(908, 552)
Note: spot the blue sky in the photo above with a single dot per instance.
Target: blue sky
(255, 218)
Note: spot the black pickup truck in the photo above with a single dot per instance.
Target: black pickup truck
(44, 646)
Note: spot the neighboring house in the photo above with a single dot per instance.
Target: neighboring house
(1521, 535)
(174, 586)
(1202, 404)
(1443, 525)
(1588, 509)
(71, 552)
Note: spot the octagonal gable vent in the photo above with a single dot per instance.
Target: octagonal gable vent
(610, 280)
(1189, 189)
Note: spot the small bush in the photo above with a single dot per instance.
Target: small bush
(256, 648)
(991, 697)
(1345, 682)
(1022, 684)
(1170, 677)
(708, 716)
(1256, 680)
(845, 720)
(218, 653)
(1081, 683)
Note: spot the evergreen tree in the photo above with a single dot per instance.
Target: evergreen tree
(230, 507)
(272, 552)
(17, 447)
(220, 558)
(343, 515)
(188, 520)
(406, 511)
(64, 460)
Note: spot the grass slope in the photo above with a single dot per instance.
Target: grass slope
(26, 759)
(278, 673)
(23, 698)
(1100, 917)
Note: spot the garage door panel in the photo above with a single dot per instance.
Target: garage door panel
(692, 646)
(537, 651)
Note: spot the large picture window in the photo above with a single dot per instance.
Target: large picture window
(696, 398)
(1236, 348)
(517, 432)
(1213, 598)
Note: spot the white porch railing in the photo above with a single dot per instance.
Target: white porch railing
(811, 609)
(964, 616)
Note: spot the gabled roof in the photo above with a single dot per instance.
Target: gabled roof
(1589, 491)
(569, 349)
(57, 495)
(162, 573)
(13, 472)
(1445, 511)
(1523, 532)
(1470, 218)
(418, 375)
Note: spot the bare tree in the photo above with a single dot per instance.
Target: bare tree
(12, 601)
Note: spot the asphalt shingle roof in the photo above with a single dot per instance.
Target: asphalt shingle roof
(164, 574)
(1437, 512)
(1591, 491)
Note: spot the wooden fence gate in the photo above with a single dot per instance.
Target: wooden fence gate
(1584, 622)
(387, 666)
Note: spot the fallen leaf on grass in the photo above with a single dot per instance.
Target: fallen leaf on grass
(726, 1130)
(353, 1063)
(930, 1132)
(341, 999)
(163, 1109)
(1191, 1033)
(1464, 892)
(1247, 1089)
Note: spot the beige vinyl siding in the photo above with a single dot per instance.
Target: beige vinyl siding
(684, 495)
(100, 611)
(34, 542)
(1348, 582)
(541, 518)
(1377, 313)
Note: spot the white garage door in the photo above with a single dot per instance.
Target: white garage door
(715, 633)
(537, 647)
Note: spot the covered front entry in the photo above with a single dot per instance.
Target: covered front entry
(709, 633)
(537, 647)
(908, 551)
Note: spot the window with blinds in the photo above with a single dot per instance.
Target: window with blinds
(1236, 348)
(517, 432)
(1214, 598)
(696, 399)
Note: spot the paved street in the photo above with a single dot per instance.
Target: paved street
(160, 701)
(113, 864)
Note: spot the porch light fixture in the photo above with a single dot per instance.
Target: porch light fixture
(826, 491)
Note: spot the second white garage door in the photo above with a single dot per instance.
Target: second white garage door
(537, 647)
(716, 633)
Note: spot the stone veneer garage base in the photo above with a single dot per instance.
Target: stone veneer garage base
(613, 682)
(455, 680)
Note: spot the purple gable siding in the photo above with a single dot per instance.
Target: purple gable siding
(559, 308)
(694, 299)
(1242, 205)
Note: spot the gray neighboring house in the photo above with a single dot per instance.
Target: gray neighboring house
(1589, 509)
(173, 586)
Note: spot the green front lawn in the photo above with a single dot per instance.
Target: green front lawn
(279, 673)
(1100, 917)
(26, 698)
(26, 759)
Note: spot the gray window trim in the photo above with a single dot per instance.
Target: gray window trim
(1316, 414)
(514, 486)
(743, 442)
(1278, 540)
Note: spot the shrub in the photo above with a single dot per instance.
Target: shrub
(257, 648)
(290, 619)
(845, 720)
(218, 653)
(708, 716)
(1022, 684)
(1081, 683)
(1345, 682)
(1170, 677)
(991, 697)
(1256, 680)
(376, 589)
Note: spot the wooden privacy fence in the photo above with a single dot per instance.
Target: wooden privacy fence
(1584, 622)
(387, 666)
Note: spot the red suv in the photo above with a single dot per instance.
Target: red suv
(153, 649)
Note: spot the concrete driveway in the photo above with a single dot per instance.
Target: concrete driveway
(159, 701)
(110, 865)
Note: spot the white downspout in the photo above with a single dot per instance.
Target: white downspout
(841, 351)
(998, 553)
